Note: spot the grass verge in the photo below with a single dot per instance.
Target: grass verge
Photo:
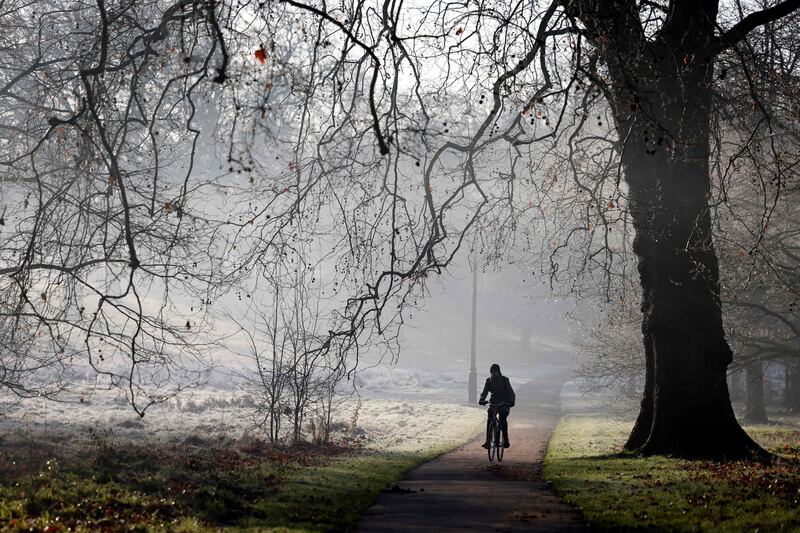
(624, 492)
(201, 486)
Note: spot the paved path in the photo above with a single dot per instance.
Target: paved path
(462, 491)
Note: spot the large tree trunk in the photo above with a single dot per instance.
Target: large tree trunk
(660, 92)
(644, 422)
(685, 409)
(755, 412)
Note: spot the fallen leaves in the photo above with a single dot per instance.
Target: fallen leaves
(779, 479)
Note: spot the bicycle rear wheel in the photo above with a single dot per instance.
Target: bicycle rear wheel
(498, 442)
(491, 449)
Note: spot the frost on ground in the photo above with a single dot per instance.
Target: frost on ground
(418, 425)
(224, 416)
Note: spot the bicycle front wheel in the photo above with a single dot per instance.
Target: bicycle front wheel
(500, 452)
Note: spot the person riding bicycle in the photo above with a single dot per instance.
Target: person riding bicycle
(501, 402)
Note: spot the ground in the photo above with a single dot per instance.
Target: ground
(463, 491)
(615, 490)
(196, 464)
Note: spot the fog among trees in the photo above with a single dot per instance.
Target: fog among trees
(293, 184)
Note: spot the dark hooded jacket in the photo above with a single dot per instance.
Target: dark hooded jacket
(501, 391)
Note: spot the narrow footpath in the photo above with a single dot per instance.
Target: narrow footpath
(463, 491)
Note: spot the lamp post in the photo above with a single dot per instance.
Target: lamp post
(473, 377)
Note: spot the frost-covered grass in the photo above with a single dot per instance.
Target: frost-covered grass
(196, 465)
(618, 491)
(215, 414)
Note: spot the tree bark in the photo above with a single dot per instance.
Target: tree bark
(661, 98)
(755, 412)
(686, 408)
(644, 422)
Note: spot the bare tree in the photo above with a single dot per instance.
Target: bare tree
(293, 380)
(392, 137)
(268, 383)
(611, 346)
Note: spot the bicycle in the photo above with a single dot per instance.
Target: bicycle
(495, 438)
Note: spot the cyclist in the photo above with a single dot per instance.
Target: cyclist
(501, 402)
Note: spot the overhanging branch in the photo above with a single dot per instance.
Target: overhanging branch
(752, 21)
(382, 146)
